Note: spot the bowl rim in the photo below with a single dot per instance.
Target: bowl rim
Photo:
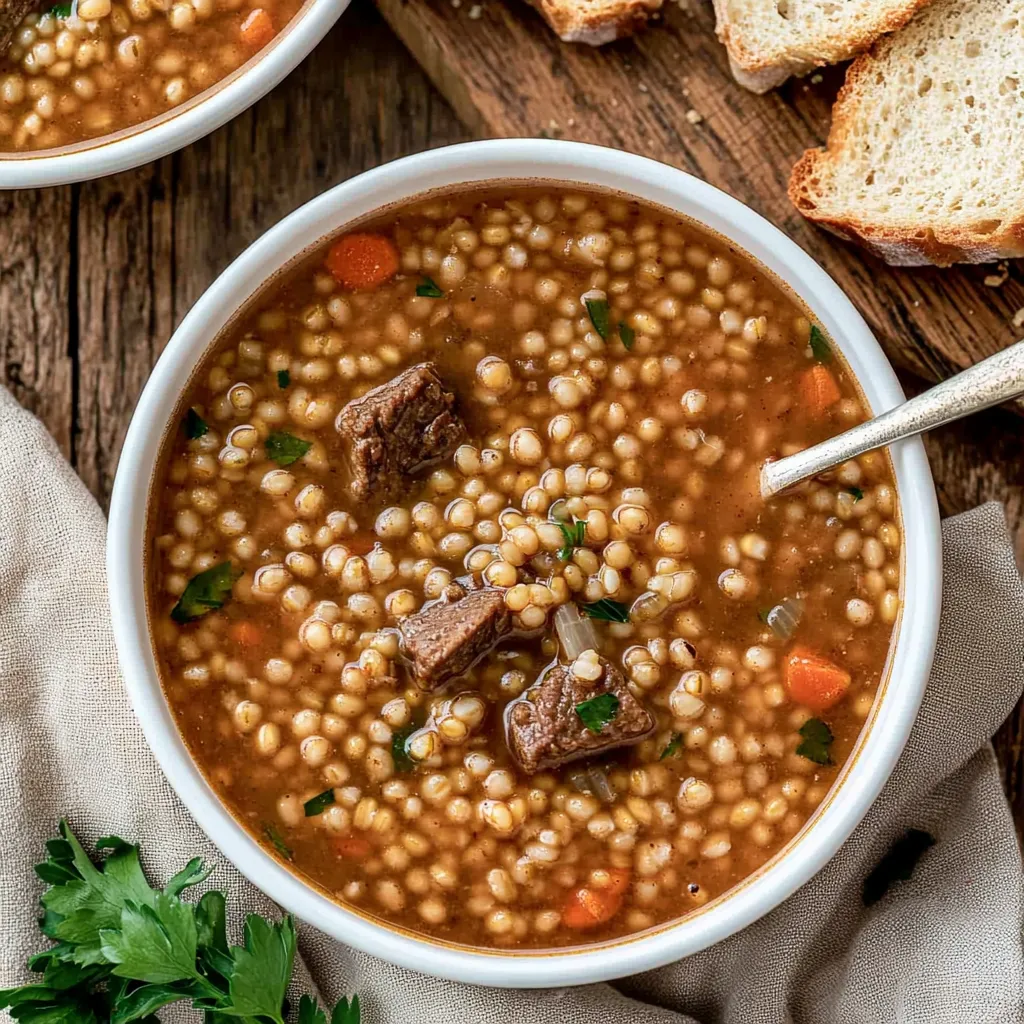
(174, 129)
(522, 160)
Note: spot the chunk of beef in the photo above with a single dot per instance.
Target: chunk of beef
(544, 729)
(397, 429)
(449, 637)
(11, 13)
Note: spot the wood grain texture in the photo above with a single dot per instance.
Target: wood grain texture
(94, 278)
(506, 74)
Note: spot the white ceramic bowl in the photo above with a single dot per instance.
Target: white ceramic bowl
(205, 112)
(909, 661)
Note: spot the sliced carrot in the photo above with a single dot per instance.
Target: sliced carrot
(246, 633)
(257, 29)
(588, 907)
(363, 261)
(814, 681)
(352, 846)
(819, 390)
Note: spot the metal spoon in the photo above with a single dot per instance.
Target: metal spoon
(996, 379)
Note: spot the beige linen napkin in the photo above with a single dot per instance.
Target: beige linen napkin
(943, 947)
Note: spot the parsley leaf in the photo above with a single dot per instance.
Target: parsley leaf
(284, 378)
(573, 534)
(346, 1012)
(319, 803)
(275, 837)
(154, 943)
(897, 865)
(61, 10)
(597, 712)
(284, 448)
(399, 752)
(856, 492)
(205, 592)
(819, 346)
(429, 290)
(817, 738)
(261, 968)
(194, 425)
(672, 748)
(310, 1012)
(606, 610)
(600, 315)
(627, 334)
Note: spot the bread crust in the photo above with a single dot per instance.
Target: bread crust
(905, 244)
(576, 22)
(760, 71)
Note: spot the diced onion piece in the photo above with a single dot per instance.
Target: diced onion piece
(575, 633)
(784, 618)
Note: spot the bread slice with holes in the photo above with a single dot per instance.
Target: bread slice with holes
(596, 22)
(769, 40)
(924, 159)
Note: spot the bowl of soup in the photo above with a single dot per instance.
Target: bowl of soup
(94, 87)
(444, 590)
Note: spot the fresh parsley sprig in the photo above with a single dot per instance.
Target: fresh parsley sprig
(123, 949)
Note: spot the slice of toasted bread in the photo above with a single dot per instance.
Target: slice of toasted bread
(596, 22)
(769, 40)
(923, 162)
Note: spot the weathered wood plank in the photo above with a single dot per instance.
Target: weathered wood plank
(36, 280)
(506, 74)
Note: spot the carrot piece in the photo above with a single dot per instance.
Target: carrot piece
(257, 29)
(362, 261)
(813, 680)
(819, 390)
(352, 846)
(246, 633)
(587, 907)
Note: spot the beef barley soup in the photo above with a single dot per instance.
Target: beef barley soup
(78, 70)
(463, 592)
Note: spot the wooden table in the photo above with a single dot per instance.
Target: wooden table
(95, 277)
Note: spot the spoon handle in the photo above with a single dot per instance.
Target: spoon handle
(996, 379)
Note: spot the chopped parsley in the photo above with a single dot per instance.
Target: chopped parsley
(284, 378)
(856, 492)
(284, 448)
(399, 749)
(124, 949)
(600, 316)
(607, 610)
(597, 712)
(428, 289)
(205, 592)
(573, 534)
(817, 738)
(672, 748)
(819, 346)
(61, 10)
(763, 613)
(194, 424)
(319, 803)
(897, 865)
(275, 837)
(627, 334)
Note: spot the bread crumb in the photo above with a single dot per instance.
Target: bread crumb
(694, 116)
(1018, 317)
(475, 11)
(817, 79)
(997, 280)
(643, 88)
